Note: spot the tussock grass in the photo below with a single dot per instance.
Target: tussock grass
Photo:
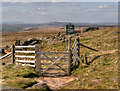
(21, 77)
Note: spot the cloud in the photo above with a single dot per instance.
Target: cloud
(21, 3)
(40, 8)
(90, 10)
(43, 13)
(106, 6)
(62, 0)
(24, 12)
(77, 9)
(75, 4)
(86, 10)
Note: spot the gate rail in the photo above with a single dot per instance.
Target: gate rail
(23, 57)
(39, 63)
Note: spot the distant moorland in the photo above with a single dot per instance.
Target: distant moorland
(13, 27)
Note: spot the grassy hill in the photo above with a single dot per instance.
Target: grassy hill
(100, 72)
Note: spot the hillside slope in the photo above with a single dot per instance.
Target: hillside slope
(101, 72)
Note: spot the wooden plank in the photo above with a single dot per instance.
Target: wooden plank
(54, 58)
(24, 46)
(74, 43)
(60, 73)
(78, 58)
(54, 63)
(13, 54)
(5, 55)
(28, 65)
(74, 47)
(53, 68)
(27, 61)
(23, 56)
(38, 60)
(24, 51)
(69, 56)
(74, 59)
(53, 52)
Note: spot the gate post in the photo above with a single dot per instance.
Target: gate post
(69, 56)
(13, 54)
(78, 50)
(37, 60)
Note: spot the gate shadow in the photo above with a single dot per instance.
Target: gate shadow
(53, 75)
(86, 62)
(96, 57)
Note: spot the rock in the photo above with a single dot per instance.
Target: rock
(25, 42)
(18, 65)
(6, 47)
(63, 35)
(17, 42)
(34, 42)
(30, 40)
(90, 29)
(48, 38)
(41, 39)
(3, 63)
(60, 39)
(41, 86)
(53, 37)
(45, 38)
(116, 32)
(58, 35)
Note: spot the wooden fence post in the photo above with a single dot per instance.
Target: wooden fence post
(13, 54)
(78, 49)
(69, 56)
(37, 60)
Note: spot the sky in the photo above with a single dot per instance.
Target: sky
(58, 11)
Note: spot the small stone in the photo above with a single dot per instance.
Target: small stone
(40, 85)
(3, 63)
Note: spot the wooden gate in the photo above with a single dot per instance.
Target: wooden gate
(76, 53)
(52, 63)
(26, 55)
(43, 62)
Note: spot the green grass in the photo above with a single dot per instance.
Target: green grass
(21, 77)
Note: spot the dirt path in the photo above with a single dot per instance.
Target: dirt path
(55, 83)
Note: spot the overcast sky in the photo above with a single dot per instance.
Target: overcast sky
(42, 12)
